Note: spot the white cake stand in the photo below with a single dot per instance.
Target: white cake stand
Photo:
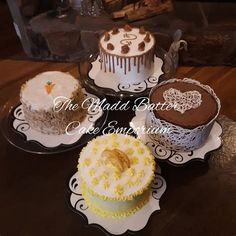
(177, 158)
(19, 133)
(133, 222)
(110, 82)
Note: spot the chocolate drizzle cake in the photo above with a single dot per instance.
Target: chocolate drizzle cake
(128, 52)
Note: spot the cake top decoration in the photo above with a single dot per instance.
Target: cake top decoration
(115, 30)
(110, 46)
(106, 36)
(128, 38)
(128, 166)
(147, 38)
(141, 46)
(209, 107)
(53, 83)
(183, 101)
(116, 159)
(49, 87)
(142, 30)
(132, 38)
(127, 27)
(124, 49)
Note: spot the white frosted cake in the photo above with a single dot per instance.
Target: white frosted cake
(115, 172)
(128, 53)
(39, 96)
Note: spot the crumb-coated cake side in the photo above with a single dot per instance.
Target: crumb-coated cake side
(116, 172)
(38, 96)
(127, 52)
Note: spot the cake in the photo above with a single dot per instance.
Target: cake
(43, 95)
(191, 117)
(115, 172)
(127, 53)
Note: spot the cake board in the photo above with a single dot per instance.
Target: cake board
(17, 131)
(177, 158)
(132, 223)
(166, 71)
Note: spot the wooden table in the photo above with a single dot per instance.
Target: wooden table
(199, 200)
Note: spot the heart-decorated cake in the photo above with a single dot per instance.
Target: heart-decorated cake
(190, 116)
(183, 101)
(127, 53)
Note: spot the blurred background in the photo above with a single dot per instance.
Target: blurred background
(68, 30)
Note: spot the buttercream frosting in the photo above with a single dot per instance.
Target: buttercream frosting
(35, 92)
(106, 181)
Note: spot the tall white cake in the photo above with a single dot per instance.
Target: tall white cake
(127, 53)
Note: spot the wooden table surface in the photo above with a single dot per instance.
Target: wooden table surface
(199, 200)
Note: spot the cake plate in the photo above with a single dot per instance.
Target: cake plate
(103, 84)
(177, 158)
(18, 132)
(107, 79)
(132, 223)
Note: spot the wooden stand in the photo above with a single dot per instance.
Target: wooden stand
(142, 9)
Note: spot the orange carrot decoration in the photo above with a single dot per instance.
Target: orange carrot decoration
(49, 86)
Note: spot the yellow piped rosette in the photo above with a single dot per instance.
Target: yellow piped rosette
(118, 168)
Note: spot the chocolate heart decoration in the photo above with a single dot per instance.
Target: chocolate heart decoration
(182, 101)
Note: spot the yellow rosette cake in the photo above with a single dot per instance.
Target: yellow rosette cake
(116, 172)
